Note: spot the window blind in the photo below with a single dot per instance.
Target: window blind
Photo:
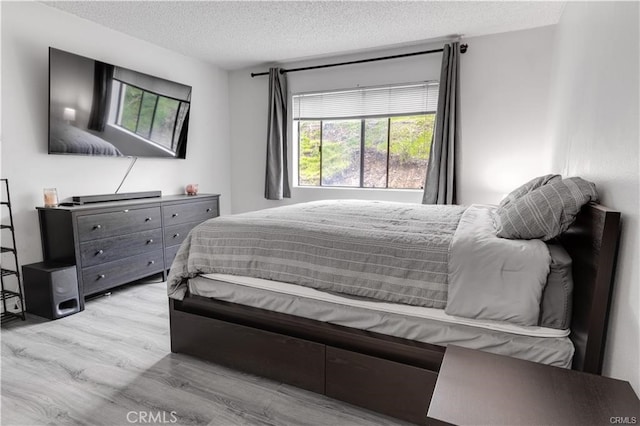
(413, 98)
(155, 85)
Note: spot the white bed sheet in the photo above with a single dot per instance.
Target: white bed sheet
(395, 308)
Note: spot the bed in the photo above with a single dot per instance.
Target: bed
(384, 360)
(67, 139)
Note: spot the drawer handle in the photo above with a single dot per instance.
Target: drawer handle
(97, 227)
(99, 252)
(176, 235)
(148, 219)
(149, 241)
(208, 210)
(101, 276)
(151, 262)
(174, 215)
(125, 211)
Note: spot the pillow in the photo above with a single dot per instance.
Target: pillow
(545, 212)
(522, 190)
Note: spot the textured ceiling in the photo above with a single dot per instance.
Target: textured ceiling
(238, 34)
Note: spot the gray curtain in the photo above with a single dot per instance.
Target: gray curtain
(181, 144)
(277, 179)
(440, 185)
(102, 83)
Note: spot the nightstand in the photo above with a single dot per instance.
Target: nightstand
(476, 387)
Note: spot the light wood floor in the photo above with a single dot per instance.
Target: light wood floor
(112, 365)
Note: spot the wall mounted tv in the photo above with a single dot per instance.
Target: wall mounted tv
(102, 109)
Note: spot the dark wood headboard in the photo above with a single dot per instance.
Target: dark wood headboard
(592, 243)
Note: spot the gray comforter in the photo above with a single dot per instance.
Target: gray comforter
(67, 139)
(394, 252)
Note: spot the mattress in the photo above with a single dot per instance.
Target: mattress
(423, 255)
(429, 325)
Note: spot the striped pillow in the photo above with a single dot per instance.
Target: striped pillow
(523, 190)
(545, 212)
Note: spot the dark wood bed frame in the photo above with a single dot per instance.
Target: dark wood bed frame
(386, 374)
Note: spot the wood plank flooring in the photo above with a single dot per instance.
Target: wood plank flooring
(112, 365)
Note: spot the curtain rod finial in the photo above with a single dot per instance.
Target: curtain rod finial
(463, 48)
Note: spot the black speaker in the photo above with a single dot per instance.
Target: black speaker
(51, 289)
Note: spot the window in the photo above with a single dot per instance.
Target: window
(377, 137)
(151, 116)
(150, 107)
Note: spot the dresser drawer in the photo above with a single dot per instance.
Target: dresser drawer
(102, 277)
(198, 211)
(101, 225)
(123, 246)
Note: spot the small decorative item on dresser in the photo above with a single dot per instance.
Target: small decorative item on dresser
(192, 189)
(50, 197)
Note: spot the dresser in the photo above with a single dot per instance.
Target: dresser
(114, 243)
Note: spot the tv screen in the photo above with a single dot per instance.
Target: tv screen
(97, 108)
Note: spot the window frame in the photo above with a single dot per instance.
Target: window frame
(119, 113)
(363, 120)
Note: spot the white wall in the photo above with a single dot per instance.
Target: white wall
(504, 95)
(595, 135)
(28, 29)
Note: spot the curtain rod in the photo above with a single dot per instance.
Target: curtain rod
(463, 49)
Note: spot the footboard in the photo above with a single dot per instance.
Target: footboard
(388, 375)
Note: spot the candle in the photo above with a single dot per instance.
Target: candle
(50, 197)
